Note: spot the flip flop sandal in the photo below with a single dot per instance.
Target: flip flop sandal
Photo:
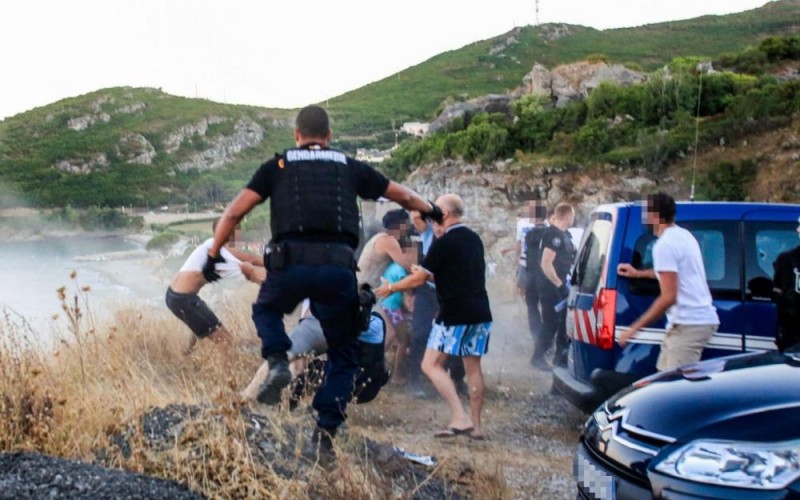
(451, 432)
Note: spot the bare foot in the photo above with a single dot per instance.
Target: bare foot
(221, 336)
(189, 346)
(477, 434)
(251, 391)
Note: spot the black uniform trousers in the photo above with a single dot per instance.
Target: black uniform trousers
(332, 291)
(554, 324)
(533, 301)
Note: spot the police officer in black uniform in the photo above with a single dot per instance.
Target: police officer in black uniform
(314, 220)
(532, 242)
(557, 255)
(786, 282)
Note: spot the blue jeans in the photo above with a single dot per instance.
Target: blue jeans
(334, 302)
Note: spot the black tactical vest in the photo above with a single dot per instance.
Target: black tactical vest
(315, 194)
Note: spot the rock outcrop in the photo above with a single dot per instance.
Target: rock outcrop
(82, 165)
(564, 84)
(494, 193)
(83, 122)
(174, 140)
(571, 82)
(247, 134)
(135, 148)
(492, 103)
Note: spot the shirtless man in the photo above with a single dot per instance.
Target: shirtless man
(385, 248)
(182, 295)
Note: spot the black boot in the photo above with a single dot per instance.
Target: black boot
(322, 439)
(279, 377)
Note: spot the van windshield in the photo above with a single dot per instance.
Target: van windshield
(591, 261)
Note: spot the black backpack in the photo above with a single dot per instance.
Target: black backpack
(370, 377)
(372, 374)
(533, 248)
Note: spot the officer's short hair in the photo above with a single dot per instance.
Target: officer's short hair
(663, 205)
(312, 121)
(563, 210)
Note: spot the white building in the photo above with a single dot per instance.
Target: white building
(417, 129)
(372, 155)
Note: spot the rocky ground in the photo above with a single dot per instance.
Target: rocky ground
(35, 476)
(532, 433)
(531, 436)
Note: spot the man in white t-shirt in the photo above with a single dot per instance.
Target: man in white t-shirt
(678, 264)
(182, 295)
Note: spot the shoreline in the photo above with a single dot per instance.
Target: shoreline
(24, 236)
(14, 226)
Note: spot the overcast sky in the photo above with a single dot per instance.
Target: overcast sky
(272, 53)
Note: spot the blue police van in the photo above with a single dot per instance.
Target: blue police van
(739, 242)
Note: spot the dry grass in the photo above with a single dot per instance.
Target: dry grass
(100, 379)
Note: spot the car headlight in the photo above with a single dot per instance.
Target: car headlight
(767, 466)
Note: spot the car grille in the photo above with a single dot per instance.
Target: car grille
(622, 448)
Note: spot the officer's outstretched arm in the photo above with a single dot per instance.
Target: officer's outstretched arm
(406, 197)
(234, 213)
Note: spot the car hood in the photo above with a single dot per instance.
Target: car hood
(750, 396)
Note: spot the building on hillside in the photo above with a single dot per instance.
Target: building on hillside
(417, 129)
(372, 155)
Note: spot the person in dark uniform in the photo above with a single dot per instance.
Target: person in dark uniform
(532, 244)
(314, 221)
(786, 293)
(557, 254)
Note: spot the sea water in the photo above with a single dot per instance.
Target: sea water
(113, 268)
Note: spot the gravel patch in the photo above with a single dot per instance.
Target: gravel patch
(31, 475)
(285, 448)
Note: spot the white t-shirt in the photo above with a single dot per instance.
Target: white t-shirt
(198, 258)
(677, 251)
(523, 226)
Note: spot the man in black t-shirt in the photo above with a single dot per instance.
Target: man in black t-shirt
(462, 328)
(557, 255)
(314, 219)
(786, 282)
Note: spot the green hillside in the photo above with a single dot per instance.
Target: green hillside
(498, 65)
(142, 147)
(116, 122)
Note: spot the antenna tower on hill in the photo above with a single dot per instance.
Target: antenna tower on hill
(537, 13)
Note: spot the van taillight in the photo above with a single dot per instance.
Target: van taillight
(607, 310)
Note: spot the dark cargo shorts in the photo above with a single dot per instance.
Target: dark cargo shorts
(191, 309)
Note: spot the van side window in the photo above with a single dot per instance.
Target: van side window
(589, 266)
(643, 259)
(719, 245)
(764, 241)
(712, 246)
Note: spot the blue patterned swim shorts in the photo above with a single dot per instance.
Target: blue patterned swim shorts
(460, 340)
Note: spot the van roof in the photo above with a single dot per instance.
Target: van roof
(734, 205)
(718, 210)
